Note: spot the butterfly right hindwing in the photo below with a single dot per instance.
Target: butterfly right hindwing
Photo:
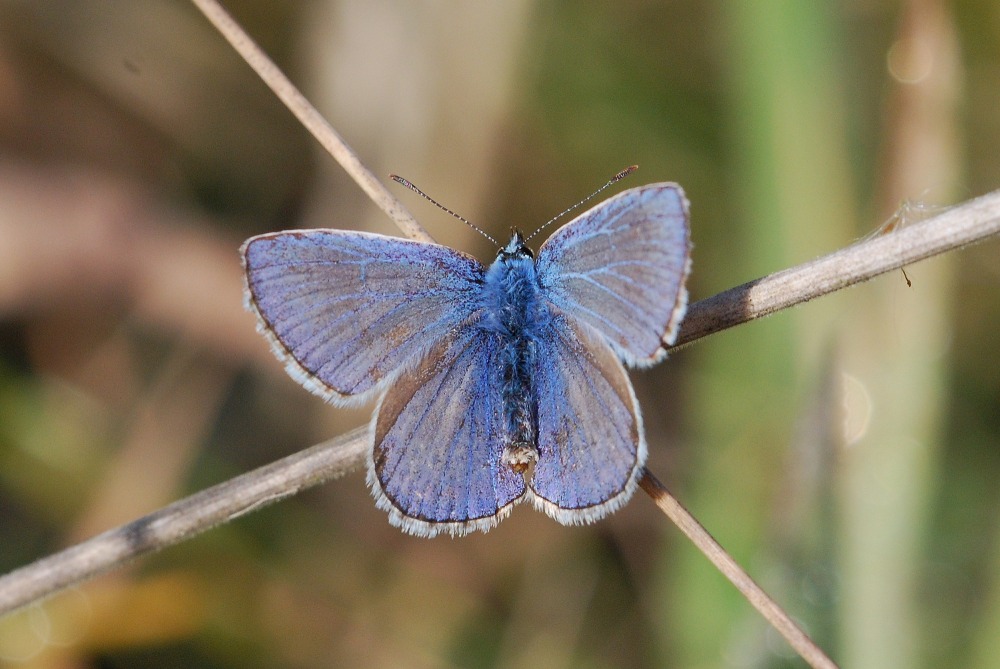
(590, 441)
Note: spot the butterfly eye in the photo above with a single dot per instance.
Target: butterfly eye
(516, 247)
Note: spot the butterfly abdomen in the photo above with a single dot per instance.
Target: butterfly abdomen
(516, 314)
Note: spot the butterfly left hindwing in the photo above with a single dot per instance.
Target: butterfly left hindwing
(437, 451)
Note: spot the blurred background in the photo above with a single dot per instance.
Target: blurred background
(846, 452)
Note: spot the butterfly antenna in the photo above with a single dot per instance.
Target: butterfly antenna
(615, 179)
(400, 180)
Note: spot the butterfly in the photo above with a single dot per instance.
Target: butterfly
(496, 385)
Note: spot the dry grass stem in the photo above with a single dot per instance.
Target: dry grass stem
(725, 563)
(311, 119)
(182, 520)
(958, 226)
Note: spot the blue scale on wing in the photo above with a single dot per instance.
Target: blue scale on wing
(438, 451)
(621, 267)
(347, 310)
(589, 430)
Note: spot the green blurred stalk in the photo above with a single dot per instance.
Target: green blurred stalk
(791, 200)
(896, 357)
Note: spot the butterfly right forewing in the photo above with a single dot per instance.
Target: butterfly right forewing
(621, 267)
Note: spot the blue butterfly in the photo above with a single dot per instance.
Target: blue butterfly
(497, 385)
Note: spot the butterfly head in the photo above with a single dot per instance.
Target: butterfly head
(516, 248)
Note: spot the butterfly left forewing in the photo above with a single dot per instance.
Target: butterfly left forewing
(346, 311)
(590, 440)
(437, 460)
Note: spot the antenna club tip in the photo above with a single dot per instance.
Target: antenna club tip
(625, 172)
(403, 182)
